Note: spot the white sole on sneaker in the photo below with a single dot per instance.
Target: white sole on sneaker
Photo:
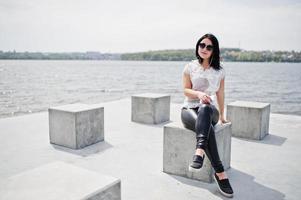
(191, 169)
(225, 194)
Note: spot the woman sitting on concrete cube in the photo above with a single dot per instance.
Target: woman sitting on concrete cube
(203, 82)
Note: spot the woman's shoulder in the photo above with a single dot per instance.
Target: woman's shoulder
(221, 72)
(190, 67)
(193, 64)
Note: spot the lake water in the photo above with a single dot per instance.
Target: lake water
(32, 86)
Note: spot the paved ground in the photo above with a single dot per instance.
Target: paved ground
(267, 169)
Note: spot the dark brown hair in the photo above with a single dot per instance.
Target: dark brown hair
(215, 57)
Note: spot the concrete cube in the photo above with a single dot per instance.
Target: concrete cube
(76, 125)
(60, 180)
(179, 147)
(150, 108)
(249, 119)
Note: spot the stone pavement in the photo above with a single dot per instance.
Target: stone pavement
(132, 152)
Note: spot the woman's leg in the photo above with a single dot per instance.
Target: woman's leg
(208, 116)
(190, 118)
(208, 113)
(203, 125)
(212, 146)
(212, 151)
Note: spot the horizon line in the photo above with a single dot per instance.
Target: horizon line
(97, 51)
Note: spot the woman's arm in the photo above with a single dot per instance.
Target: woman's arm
(220, 95)
(187, 85)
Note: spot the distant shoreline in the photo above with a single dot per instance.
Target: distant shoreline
(227, 55)
(135, 60)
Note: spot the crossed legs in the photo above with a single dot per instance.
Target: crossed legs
(201, 120)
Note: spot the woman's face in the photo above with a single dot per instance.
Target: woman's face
(205, 51)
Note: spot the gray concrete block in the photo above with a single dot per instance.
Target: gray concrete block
(150, 108)
(249, 119)
(60, 180)
(179, 148)
(76, 125)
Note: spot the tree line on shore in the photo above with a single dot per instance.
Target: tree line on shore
(227, 54)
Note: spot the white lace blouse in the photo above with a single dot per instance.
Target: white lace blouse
(205, 80)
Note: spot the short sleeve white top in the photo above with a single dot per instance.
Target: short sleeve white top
(204, 80)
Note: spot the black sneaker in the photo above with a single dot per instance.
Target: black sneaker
(224, 186)
(197, 163)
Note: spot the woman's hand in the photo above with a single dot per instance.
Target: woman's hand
(223, 120)
(204, 98)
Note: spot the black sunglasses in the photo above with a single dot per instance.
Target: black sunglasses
(208, 47)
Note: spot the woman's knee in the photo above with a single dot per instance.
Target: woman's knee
(205, 108)
(188, 119)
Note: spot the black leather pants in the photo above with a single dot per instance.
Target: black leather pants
(201, 120)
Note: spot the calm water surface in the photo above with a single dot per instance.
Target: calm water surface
(33, 86)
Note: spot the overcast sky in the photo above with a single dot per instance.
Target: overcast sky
(117, 26)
